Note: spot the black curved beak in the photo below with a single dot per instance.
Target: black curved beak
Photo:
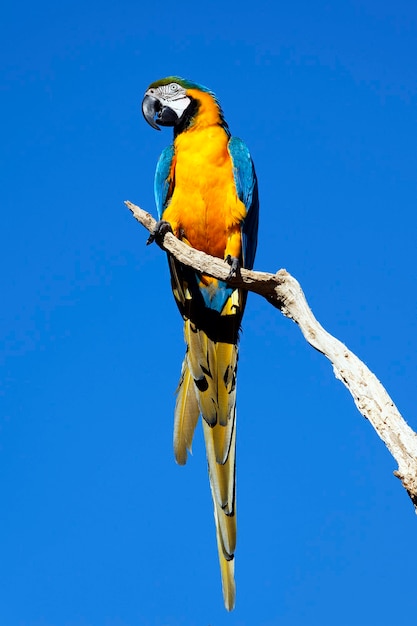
(151, 107)
(156, 114)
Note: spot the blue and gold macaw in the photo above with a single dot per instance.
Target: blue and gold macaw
(206, 192)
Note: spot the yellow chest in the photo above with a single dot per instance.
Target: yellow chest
(204, 208)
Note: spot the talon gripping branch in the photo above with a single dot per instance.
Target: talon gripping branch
(206, 189)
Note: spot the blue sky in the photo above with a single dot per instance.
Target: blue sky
(98, 526)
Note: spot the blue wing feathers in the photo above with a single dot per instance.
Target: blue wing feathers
(247, 190)
(162, 181)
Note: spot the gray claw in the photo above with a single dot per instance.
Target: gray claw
(161, 228)
(234, 263)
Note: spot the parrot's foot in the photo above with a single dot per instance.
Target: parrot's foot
(233, 261)
(162, 227)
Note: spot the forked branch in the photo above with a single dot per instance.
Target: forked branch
(285, 293)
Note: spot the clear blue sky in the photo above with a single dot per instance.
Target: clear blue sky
(98, 526)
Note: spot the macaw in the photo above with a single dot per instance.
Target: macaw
(206, 192)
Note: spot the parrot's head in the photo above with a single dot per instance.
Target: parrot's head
(174, 101)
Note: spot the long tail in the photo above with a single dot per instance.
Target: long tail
(208, 386)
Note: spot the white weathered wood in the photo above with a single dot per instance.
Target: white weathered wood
(285, 293)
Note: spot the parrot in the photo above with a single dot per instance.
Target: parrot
(206, 193)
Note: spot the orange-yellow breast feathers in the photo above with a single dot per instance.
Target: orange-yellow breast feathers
(204, 208)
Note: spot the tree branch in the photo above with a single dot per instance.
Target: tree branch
(285, 293)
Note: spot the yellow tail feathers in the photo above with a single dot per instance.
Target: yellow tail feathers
(208, 386)
(186, 415)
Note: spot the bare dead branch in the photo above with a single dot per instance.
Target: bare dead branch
(285, 293)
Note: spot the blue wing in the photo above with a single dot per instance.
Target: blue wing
(247, 190)
(163, 183)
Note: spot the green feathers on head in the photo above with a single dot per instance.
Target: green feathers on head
(187, 84)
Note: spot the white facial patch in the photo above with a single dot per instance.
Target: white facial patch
(179, 105)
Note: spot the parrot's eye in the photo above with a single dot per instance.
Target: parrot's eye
(174, 87)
